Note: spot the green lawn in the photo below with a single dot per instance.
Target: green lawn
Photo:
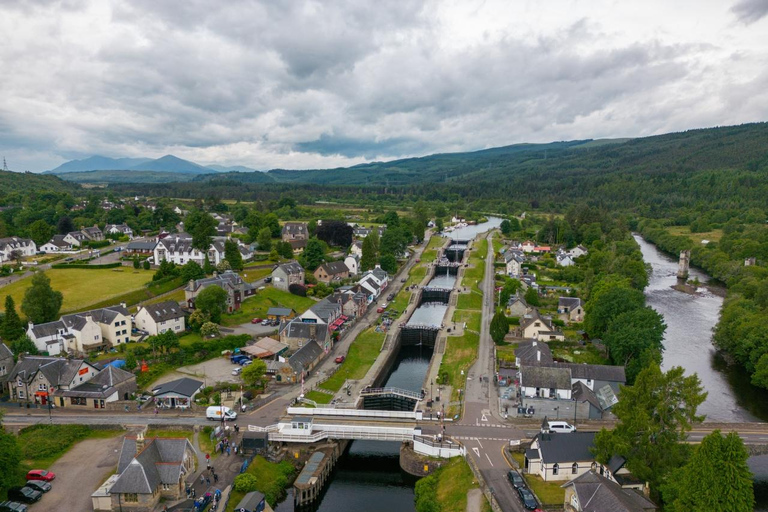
(362, 353)
(549, 493)
(83, 287)
(42, 445)
(317, 396)
(497, 244)
(271, 480)
(506, 353)
(460, 353)
(575, 353)
(177, 296)
(446, 489)
(254, 274)
(430, 252)
(472, 318)
(257, 306)
(471, 300)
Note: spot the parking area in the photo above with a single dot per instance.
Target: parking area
(79, 472)
(210, 372)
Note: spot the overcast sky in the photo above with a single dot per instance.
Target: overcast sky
(297, 84)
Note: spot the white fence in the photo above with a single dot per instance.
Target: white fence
(355, 413)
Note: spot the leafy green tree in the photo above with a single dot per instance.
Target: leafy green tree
(23, 345)
(245, 483)
(254, 372)
(41, 303)
(716, 477)
(607, 304)
(392, 219)
(532, 297)
(394, 241)
(273, 224)
(264, 239)
(439, 225)
(136, 263)
(197, 319)
(654, 418)
(209, 330)
(223, 266)
(284, 249)
(314, 254)
(130, 362)
(232, 255)
(166, 269)
(499, 328)
(213, 302)
(506, 227)
(370, 253)
(388, 262)
(202, 227)
(508, 290)
(40, 232)
(11, 327)
(633, 338)
(208, 266)
(168, 341)
(65, 225)
(192, 271)
(146, 265)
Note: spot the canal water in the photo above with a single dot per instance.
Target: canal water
(688, 343)
(368, 477)
(471, 232)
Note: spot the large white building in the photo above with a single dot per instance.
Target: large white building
(80, 333)
(161, 317)
(8, 246)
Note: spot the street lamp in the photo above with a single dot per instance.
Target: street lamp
(557, 410)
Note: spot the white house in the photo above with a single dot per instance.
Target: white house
(528, 246)
(561, 457)
(57, 244)
(76, 238)
(118, 229)
(536, 327)
(83, 332)
(353, 263)
(161, 317)
(356, 248)
(12, 244)
(578, 251)
(178, 250)
(514, 262)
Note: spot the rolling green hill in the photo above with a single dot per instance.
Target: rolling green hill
(24, 182)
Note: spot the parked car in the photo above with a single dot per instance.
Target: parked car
(515, 479)
(267, 279)
(418, 260)
(266, 322)
(41, 474)
(256, 321)
(237, 371)
(245, 362)
(390, 296)
(39, 485)
(526, 496)
(560, 427)
(12, 506)
(24, 494)
(340, 359)
(403, 280)
(380, 310)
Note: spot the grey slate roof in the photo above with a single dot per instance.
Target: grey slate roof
(335, 267)
(48, 329)
(184, 387)
(532, 317)
(292, 268)
(250, 501)
(58, 370)
(141, 246)
(569, 302)
(14, 242)
(5, 352)
(573, 447)
(545, 377)
(598, 494)
(102, 316)
(597, 372)
(303, 357)
(224, 280)
(164, 311)
(325, 309)
(526, 352)
(581, 393)
(159, 462)
(279, 311)
(299, 329)
(102, 385)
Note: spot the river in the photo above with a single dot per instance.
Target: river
(688, 343)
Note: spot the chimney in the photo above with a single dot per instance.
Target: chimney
(122, 305)
(139, 443)
(647, 490)
(192, 283)
(535, 343)
(312, 330)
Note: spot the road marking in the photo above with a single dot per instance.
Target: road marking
(477, 452)
(484, 418)
(489, 459)
(478, 442)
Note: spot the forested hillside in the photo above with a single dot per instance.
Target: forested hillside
(15, 185)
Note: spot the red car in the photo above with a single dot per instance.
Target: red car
(340, 359)
(256, 321)
(41, 474)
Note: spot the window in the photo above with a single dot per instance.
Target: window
(42, 387)
(122, 323)
(176, 328)
(117, 323)
(96, 337)
(21, 394)
(556, 469)
(131, 497)
(78, 401)
(166, 487)
(575, 468)
(594, 466)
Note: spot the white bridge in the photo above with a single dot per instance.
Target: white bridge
(351, 424)
(391, 391)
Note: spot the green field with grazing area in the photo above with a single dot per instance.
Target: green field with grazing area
(361, 355)
(549, 493)
(83, 288)
(257, 306)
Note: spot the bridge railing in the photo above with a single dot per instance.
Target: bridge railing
(391, 391)
(347, 432)
(355, 413)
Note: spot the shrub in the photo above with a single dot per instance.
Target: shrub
(297, 289)
(245, 483)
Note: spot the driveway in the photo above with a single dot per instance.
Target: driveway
(79, 472)
(210, 372)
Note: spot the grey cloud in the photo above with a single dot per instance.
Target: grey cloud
(750, 11)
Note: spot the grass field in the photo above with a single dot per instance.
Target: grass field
(506, 353)
(575, 353)
(271, 480)
(42, 445)
(446, 489)
(362, 353)
(460, 353)
(83, 287)
(254, 274)
(317, 396)
(430, 252)
(472, 318)
(549, 493)
(713, 236)
(471, 300)
(176, 296)
(257, 306)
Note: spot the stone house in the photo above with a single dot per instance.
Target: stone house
(296, 333)
(513, 261)
(333, 271)
(158, 318)
(237, 289)
(6, 363)
(37, 379)
(294, 231)
(109, 385)
(151, 469)
(592, 492)
(287, 274)
(535, 326)
(570, 309)
(517, 306)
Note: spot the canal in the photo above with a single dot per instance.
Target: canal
(368, 477)
(688, 343)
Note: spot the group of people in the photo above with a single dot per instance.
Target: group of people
(224, 446)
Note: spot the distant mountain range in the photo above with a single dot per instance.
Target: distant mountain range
(165, 164)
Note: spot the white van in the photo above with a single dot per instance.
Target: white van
(217, 412)
(560, 427)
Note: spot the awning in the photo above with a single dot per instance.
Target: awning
(41, 393)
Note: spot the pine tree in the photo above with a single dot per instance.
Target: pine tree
(41, 302)
(11, 327)
(232, 255)
(370, 253)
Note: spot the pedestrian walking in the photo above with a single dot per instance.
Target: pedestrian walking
(215, 478)
(202, 479)
(207, 481)
(227, 451)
